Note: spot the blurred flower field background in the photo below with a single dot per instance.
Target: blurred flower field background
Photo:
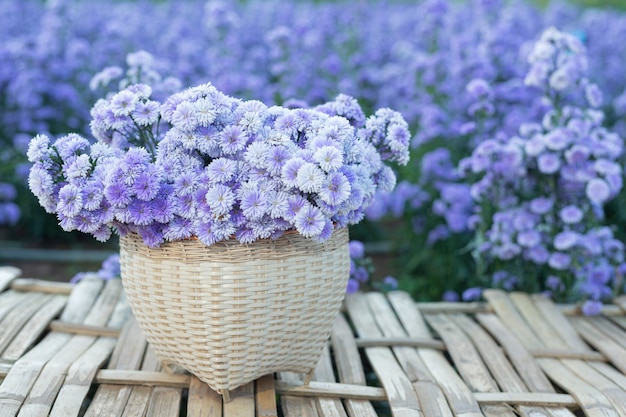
(517, 111)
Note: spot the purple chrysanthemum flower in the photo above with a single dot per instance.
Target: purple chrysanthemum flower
(92, 195)
(538, 254)
(184, 117)
(70, 200)
(221, 170)
(310, 178)
(123, 103)
(185, 183)
(232, 139)
(560, 261)
(147, 185)
(146, 113)
(204, 231)
(278, 203)
(40, 182)
(38, 148)
(548, 163)
(335, 189)
(220, 198)
(118, 194)
(357, 249)
(253, 204)
(289, 172)
(183, 205)
(276, 158)
(309, 221)
(294, 205)
(450, 296)
(541, 205)
(224, 228)
(361, 274)
(598, 191)
(571, 214)
(565, 240)
(591, 307)
(140, 213)
(204, 111)
(353, 286)
(178, 229)
(472, 294)
(529, 238)
(329, 158)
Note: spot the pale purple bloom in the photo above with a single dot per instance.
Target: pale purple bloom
(390, 282)
(70, 200)
(38, 148)
(593, 94)
(472, 294)
(335, 189)
(548, 163)
(353, 286)
(361, 274)
(450, 296)
(571, 214)
(554, 283)
(541, 205)
(232, 139)
(310, 178)
(559, 261)
(294, 205)
(147, 185)
(146, 113)
(123, 103)
(598, 191)
(92, 195)
(183, 205)
(290, 171)
(278, 203)
(221, 170)
(309, 221)
(538, 254)
(592, 307)
(479, 89)
(253, 204)
(329, 158)
(357, 249)
(565, 240)
(40, 181)
(118, 194)
(529, 238)
(220, 198)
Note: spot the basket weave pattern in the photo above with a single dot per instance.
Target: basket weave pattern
(230, 313)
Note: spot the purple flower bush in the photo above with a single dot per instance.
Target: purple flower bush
(540, 193)
(457, 72)
(204, 164)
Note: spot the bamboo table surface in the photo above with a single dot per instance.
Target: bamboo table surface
(75, 350)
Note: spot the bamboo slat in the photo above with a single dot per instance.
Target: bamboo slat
(400, 393)
(349, 366)
(8, 274)
(445, 393)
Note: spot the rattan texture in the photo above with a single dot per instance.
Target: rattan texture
(230, 313)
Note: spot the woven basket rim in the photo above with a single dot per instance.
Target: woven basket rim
(233, 239)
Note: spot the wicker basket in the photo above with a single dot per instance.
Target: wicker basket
(230, 313)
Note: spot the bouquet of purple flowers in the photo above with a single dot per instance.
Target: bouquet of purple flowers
(204, 164)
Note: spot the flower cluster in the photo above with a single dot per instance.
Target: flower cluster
(541, 193)
(204, 164)
(110, 269)
(361, 270)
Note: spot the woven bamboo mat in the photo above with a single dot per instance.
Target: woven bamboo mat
(75, 350)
